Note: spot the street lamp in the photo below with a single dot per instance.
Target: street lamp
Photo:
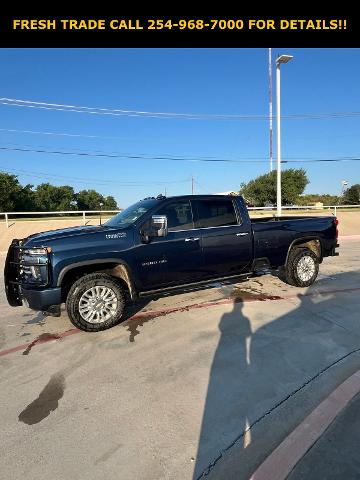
(281, 59)
(344, 184)
(101, 205)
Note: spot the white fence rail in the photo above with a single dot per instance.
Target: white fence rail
(82, 213)
(306, 207)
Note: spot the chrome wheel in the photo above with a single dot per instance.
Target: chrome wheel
(98, 304)
(305, 268)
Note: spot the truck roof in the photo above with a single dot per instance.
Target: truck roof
(189, 197)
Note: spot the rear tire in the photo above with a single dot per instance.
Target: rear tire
(95, 302)
(302, 267)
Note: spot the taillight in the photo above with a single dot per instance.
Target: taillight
(336, 223)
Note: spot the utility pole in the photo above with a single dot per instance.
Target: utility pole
(270, 112)
(192, 185)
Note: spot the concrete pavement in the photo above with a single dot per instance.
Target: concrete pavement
(336, 454)
(211, 388)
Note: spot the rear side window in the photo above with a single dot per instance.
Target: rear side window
(214, 213)
(179, 215)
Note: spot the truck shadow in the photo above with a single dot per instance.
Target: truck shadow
(258, 364)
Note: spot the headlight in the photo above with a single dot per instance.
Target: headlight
(35, 272)
(34, 265)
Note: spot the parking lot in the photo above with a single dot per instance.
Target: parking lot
(203, 383)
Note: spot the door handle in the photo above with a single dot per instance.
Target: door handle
(242, 234)
(191, 239)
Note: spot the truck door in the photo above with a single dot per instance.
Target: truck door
(226, 239)
(178, 254)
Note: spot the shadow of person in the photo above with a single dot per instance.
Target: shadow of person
(263, 358)
(225, 409)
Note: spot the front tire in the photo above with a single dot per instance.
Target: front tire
(95, 302)
(302, 267)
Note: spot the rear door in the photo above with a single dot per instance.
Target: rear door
(225, 238)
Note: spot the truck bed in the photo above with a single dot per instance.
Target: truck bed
(274, 235)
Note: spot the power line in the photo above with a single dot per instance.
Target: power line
(62, 134)
(117, 153)
(164, 156)
(91, 180)
(174, 158)
(123, 156)
(148, 114)
(109, 137)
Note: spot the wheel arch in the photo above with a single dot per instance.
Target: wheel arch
(313, 243)
(110, 266)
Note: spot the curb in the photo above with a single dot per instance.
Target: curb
(285, 457)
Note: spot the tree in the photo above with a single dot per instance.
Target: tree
(10, 189)
(312, 198)
(110, 203)
(263, 188)
(25, 200)
(46, 197)
(65, 195)
(89, 200)
(50, 198)
(352, 195)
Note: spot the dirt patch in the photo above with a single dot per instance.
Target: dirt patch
(133, 325)
(240, 295)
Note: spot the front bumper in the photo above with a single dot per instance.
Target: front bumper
(41, 299)
(18, 291)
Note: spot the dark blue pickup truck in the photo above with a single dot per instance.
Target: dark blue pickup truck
(158, 245)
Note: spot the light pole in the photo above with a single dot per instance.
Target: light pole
(344, 184)
(73, 204)
(270, 112)
(281, 59)
(101, 205)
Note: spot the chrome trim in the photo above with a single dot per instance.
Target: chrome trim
(242, 234)
(203, 228)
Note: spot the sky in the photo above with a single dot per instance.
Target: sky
(200, 81)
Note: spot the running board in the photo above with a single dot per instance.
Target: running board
(193, 284)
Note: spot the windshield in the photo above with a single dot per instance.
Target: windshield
(131, 214)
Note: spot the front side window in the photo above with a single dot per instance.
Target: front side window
(179, 215)
(131, 214)
(214, 213)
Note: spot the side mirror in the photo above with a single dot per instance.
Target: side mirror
(156, 227)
